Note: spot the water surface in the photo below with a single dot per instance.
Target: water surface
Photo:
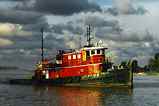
(145, 93)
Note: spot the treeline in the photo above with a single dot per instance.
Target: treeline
(153, 64)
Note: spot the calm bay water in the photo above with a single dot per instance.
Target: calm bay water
(145, 93)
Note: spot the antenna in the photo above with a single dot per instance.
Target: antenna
(89, 35)
(42, 44)
(80, 41)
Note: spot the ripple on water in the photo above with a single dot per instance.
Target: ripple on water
(145, 94)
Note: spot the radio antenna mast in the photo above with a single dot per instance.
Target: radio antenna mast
(42, 44)
(89, 35)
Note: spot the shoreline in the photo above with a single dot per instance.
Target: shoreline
(156, 74)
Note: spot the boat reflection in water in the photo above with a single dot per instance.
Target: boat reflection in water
(76, 96)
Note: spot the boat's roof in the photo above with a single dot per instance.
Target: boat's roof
(70, 51)
(93, 48)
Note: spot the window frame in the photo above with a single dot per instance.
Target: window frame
(93, 52)
(98, 51)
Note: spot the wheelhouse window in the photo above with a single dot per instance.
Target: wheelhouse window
(87, 53)
(58, 57)
(103, 51)
(74, 56)
(69, 57)
(78, 56)
(98, 51)
(92, 52)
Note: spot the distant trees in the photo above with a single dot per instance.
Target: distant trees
(133, 64)
(154, 63)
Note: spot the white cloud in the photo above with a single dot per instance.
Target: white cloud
(123, 6)
(8, 29)
(5, 42)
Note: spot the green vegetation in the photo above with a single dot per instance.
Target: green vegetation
(153, 64)
(152, 68)
(152, 73)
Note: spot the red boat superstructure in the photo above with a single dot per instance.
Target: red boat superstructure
(85, 61)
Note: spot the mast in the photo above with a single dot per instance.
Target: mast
(42, 45)
(80, 42)
(89, 38)
(89, 35)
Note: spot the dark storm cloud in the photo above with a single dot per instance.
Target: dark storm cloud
(12, 0)
(30, 24)
(136, 38)
(37, 26)
(116, 35)
(31, 21)
(76, 26)
(61, 7)
(19, 17)
(65, 7)
(58, 28)
(27, 18)
(97, 21)
(34, 42)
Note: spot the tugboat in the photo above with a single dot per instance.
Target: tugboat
(87, 66)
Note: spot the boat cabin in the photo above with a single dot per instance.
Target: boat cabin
(89, 55)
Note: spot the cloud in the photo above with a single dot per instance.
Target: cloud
(124, 32)
(21, 26)
(97, 21)
(19, 17)
(5, 42)
(105, 28)
(61, 27)
(20, 22)
(12, 0)
(77, 25)
(7, 29)
(124, 36)
(126, 7)
(59, 7)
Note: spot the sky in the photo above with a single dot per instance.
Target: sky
(129, 28)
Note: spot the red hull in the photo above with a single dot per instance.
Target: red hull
(80, 70)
